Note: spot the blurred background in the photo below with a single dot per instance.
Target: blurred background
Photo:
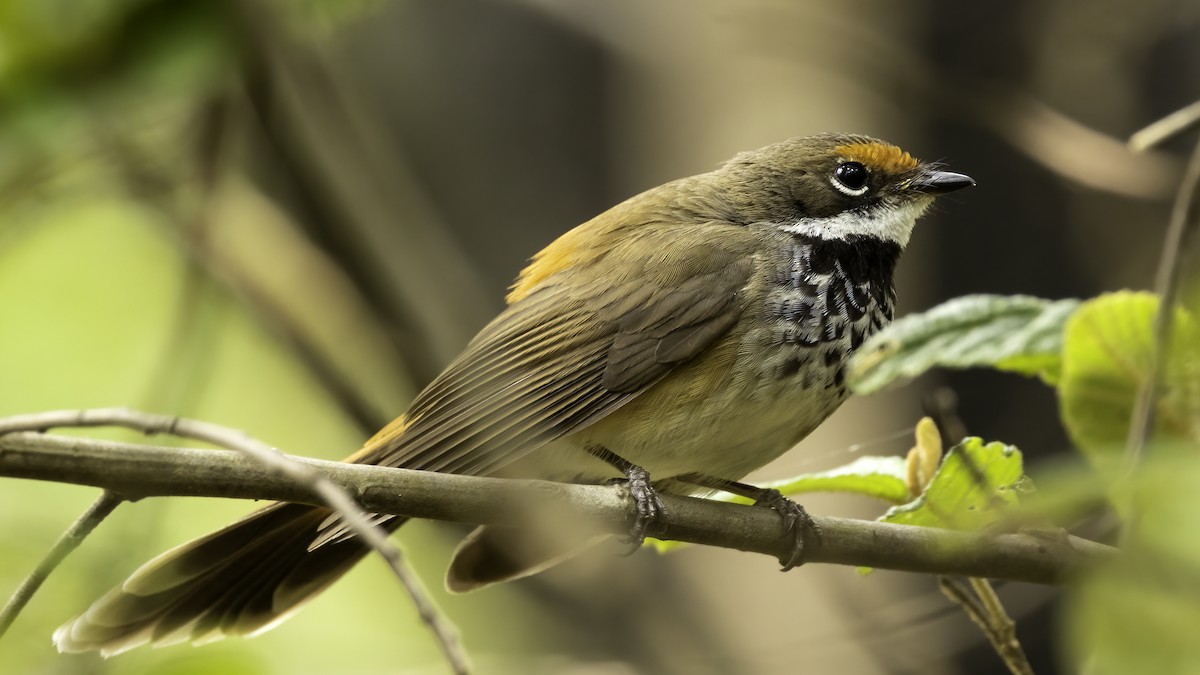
(287, 216)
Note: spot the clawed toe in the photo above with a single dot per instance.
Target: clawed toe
(796, 522)
(648, 507)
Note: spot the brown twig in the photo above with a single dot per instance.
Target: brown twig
(68, 542)
(302, 475)
(1166, 285)
(1062, 144)
(143, 471)
(983, 606)
(1157, 133)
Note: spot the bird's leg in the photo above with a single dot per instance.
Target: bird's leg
(796, 521)
(649, 508)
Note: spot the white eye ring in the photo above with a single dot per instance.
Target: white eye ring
(851, 179)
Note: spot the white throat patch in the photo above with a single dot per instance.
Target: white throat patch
(885, 221)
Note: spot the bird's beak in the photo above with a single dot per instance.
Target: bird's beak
(941, 182)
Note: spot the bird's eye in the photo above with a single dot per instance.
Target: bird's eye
(851, 178)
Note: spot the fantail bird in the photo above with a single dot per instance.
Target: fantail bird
(690, 334)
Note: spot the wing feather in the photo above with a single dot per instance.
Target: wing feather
(559, 359)
(562, 357)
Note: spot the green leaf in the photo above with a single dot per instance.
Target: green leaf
(975, 486)
(1138, 613)
(1019, 334)
(1108, 346)
(879, 477)
(1130, 620)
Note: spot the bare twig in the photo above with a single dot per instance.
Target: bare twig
(1166, 286)
(1063, 145)
(1169, 127)
(144, 471)
(1003, 631)
(983, 606)
(961, 595)
(327, 493)
(68, 542)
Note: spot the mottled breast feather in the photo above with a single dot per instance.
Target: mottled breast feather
(827, 299)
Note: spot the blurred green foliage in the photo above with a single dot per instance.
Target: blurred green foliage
(976, 485)
(1107, 355)
(102, 110)
(1017, 334)
(77, 75)
(1137, 613)
(102, 158)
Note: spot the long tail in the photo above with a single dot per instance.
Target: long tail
(239, 580)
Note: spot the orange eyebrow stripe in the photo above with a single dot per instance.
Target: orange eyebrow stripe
(882, 156)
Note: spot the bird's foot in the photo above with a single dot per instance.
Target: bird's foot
(796, 523)
(647, 504)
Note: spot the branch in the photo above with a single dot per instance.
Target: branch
(266, 458)
(1185, 216)
(1163, 130)
(68, 542)
(137, 471)
(986, 611)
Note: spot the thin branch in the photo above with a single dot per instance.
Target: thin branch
(143, 471)
(1157, 133)
(1057, 142)
(283, 467)
(68, 542)
(1001, 629)
(961, 595)
(983, 606)
(1004, 628)
(1166, 285)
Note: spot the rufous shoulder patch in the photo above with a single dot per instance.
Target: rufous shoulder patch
(386, 435)
(880, 156)
(550, 260)
(561, 254)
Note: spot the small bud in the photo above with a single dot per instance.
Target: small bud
(924, 458)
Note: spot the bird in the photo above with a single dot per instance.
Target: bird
(677, 341)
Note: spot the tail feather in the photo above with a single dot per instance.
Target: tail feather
(240, 580)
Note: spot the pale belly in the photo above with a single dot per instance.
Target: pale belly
(704, 419)
(750, 397)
